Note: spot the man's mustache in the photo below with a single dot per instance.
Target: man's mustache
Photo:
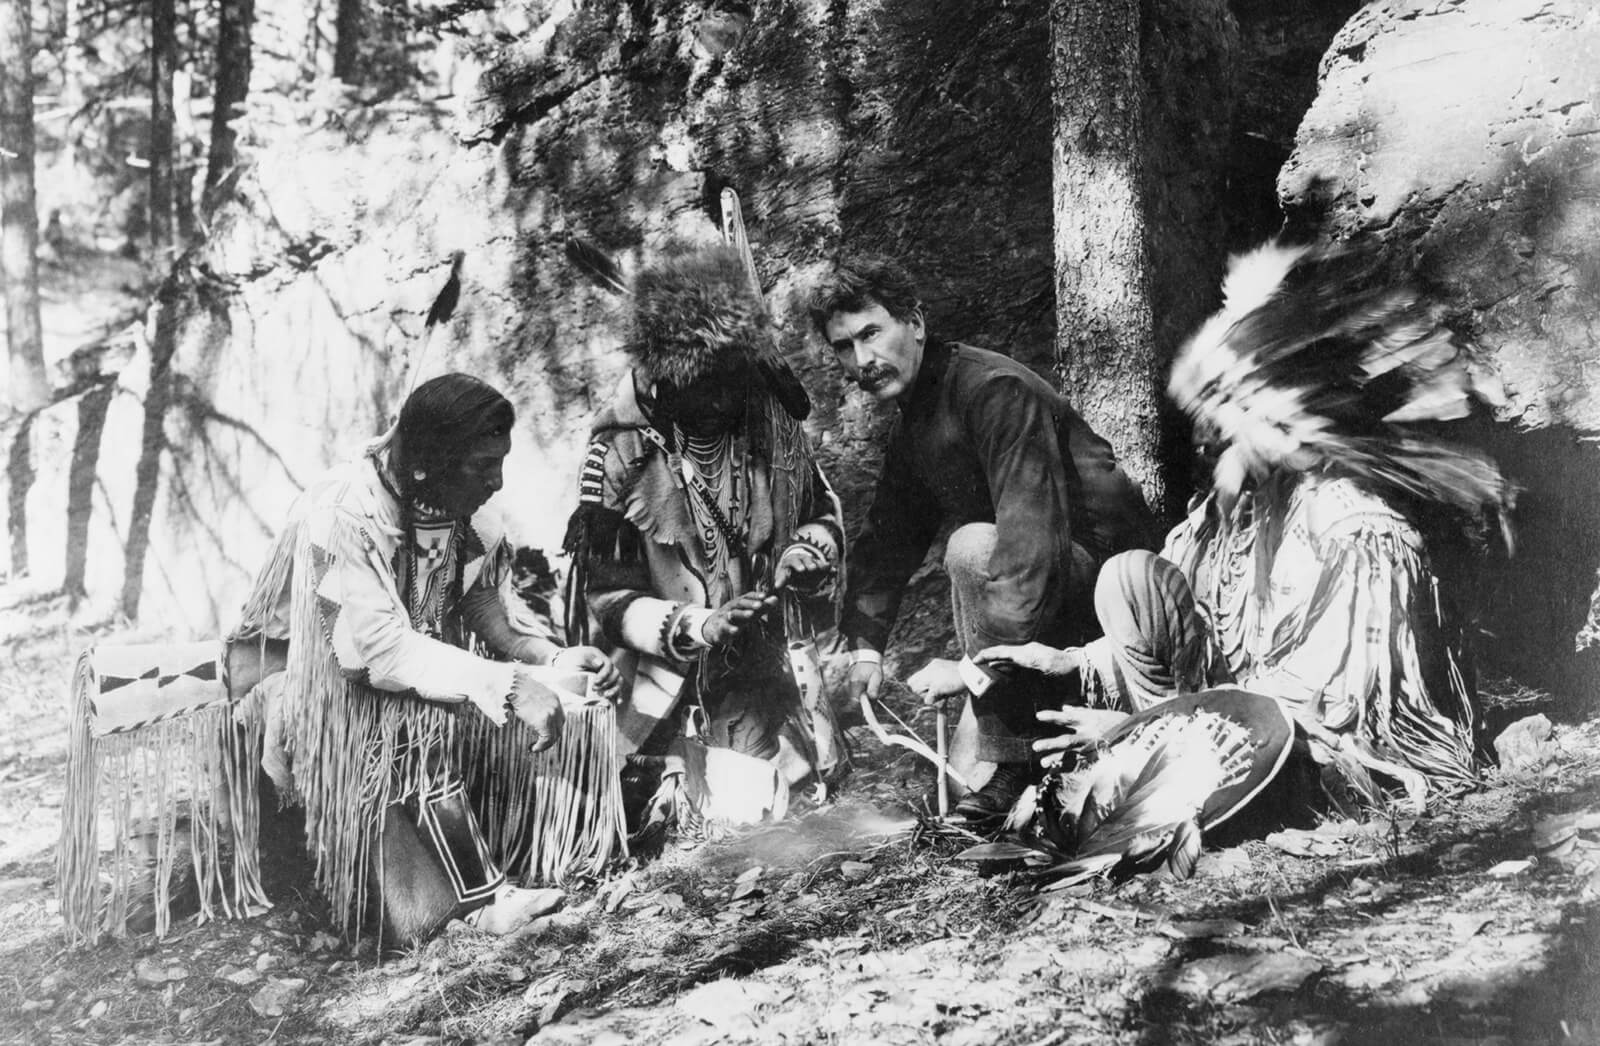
(874, 375)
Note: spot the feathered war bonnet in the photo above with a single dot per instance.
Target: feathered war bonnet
(1320, 359)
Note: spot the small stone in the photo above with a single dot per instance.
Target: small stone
(148, 971)
(99, 1009)
(274, 998)
(266, 961)
(1525, 744)
(322, 942)
(243, 977)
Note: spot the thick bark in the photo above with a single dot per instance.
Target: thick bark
(163, 62)
(235, 18)
(1144, 96)
(19, 215)
(347, 42)
(1105, 333)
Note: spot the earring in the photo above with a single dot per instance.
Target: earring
(419, 475)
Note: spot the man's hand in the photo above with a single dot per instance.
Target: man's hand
(1035, 657)
(1080, 728)
(801, 566)
(539, 707)
(607, 680)
(865, 677)
(734, 616)
(937, 680)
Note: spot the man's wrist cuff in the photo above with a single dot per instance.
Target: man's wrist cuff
(977, 679)
(866, 657)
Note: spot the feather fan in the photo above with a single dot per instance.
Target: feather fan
(1173, 773)
(1318, 358)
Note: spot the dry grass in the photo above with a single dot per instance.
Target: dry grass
(856, 916)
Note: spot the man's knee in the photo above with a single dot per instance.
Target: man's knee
(1125, 575)
(967, 552)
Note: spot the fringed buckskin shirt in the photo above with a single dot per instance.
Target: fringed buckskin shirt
(1322, 596)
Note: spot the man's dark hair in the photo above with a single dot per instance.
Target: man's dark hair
(439, 423)
(859, 282)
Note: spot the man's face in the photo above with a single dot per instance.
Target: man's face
(463, 490)
(706, 408)
(878, 352)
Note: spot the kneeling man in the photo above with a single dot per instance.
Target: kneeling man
(1037, 500)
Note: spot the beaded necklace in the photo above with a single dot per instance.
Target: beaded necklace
(713, 470)
(426, 559)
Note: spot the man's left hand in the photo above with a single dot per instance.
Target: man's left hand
(607, 680)
(937, 680)
(800, 566)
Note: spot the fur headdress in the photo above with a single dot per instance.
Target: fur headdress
(695, 317)
(1317, 359)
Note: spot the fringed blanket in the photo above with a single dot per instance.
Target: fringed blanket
(153, 742)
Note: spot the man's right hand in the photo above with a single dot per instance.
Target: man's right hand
(734, 616)
(865, 677)
(539, 707)
(1079, 728)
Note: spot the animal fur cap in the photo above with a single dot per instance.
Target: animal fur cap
(695, 316)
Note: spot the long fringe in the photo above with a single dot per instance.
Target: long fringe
(354, 749)
(199, 763)
(553, 815)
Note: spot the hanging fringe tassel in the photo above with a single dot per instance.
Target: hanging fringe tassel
(552, 815)
(180, 786)
(355, 751)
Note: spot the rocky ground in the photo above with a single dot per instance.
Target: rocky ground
(856, 923)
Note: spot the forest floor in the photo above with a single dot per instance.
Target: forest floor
(854, 923)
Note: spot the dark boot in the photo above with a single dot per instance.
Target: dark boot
(996, 798)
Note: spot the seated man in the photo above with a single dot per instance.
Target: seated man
(386, 578)
(1319, 593)
(1303, 576)
(699, 504)
(988, 447)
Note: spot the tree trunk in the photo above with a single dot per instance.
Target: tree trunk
(153, 444)
(1105, 333)
(163, 62)
(19, 214)
(347, 42)
(1143, 95)
(234, 21)
(186, 146)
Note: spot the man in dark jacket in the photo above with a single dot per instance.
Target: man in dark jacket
(1036, 500)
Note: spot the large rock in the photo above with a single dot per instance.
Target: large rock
(1463, 134)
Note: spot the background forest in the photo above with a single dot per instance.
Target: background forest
(243, 217)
